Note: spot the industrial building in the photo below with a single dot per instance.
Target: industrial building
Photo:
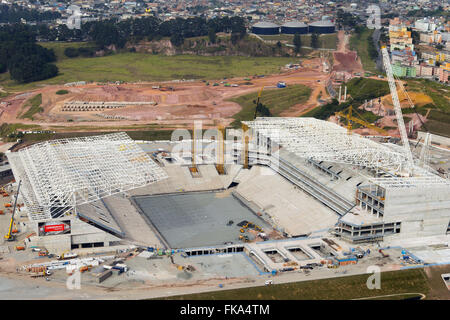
(294, 27)
(322, 27)
(266, 28)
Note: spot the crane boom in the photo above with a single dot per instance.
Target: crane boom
(397, 108)
(362, 122)
(9, 236)
(257, 102)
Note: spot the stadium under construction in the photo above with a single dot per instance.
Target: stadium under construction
(281, 189)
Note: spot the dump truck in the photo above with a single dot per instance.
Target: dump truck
(121, 267)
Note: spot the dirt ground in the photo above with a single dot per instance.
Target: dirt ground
(187, 101)
(344, 59)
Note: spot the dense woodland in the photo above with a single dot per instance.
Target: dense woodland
(25, 60)
(112, 32)
(14, 13)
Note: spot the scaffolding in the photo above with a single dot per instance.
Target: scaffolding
(60, 174)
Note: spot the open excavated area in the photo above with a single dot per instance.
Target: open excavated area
(167, 103)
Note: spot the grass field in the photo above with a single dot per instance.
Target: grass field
(277, 100)
(440, 94)
(132, 67)
(6, 128)
(439, 118)
(326, 41)
(343, 288)
(360, 89)
(360, 44)
(34, 106)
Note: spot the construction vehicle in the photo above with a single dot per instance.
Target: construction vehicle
(383, 254)
(9, 236)
(281, 84)
(244, 238)
(120, 267)
(351, 118)
(66, 255)
(43, 253)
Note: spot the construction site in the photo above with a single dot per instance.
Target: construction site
(287, 198)
(281, 196)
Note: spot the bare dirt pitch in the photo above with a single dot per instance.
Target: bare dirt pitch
(177, 103)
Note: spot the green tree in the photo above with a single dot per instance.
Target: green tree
(234, 38)
(177, 39)
(71, 52)
(315, 40)
(212, 36)
(297, 43)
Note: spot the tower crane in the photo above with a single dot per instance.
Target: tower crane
(221, 150)
(350, 118)
(398, 110)
(257, 102)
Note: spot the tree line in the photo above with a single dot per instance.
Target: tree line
(114, 32)
(25, 60)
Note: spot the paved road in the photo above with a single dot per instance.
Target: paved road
(376, 41)
(20, 287)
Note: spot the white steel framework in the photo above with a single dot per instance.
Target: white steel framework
(326, 141)
(411, 182)
(58, 175)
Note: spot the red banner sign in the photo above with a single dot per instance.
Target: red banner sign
(54, 227)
